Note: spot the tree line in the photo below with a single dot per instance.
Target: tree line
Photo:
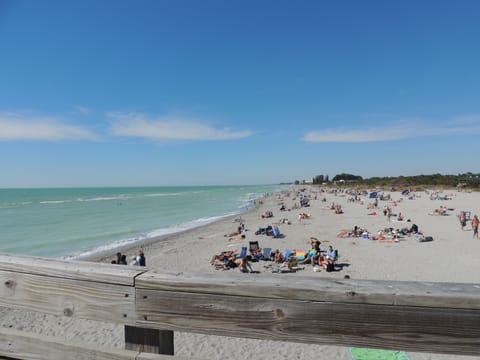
(468, 180)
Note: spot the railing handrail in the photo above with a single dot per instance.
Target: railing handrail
(430, 317)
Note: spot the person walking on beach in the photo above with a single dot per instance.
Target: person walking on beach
(463, 219)
(475, 223)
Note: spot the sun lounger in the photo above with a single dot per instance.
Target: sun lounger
(243, 252)
(276, 232)
(267, 253)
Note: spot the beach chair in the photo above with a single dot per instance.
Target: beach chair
(255, 250)
(253, 247)
(337, 256)
(243, 252)
(276, 232)
(266, 253)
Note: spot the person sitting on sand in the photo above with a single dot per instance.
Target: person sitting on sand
(330, 258)
(314, 253)
(140, 259)
(244, 264)
(123, 260)
(278, 257)
(413, 229)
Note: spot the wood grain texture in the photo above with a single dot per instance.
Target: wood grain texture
(66, 297)
(394, 327)
(426, 294)
(70, 269)
(19, 345)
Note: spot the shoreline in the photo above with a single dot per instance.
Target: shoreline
(148, 243)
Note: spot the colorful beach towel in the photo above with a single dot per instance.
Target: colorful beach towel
(377, 354)
(301, 254)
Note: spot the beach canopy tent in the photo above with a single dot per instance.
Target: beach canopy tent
(405, 192)
(373, 195)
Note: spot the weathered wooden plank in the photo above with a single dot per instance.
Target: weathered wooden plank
(20, 345)
(449, 295)
(72, 298)
(441, 330)
(70, 269)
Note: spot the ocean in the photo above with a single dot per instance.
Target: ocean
(77, 222)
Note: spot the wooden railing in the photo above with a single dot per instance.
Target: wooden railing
(411, 316)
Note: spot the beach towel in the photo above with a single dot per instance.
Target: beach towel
(377, 354)
(300, 254)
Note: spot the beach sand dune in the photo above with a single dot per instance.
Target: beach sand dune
(452, 256)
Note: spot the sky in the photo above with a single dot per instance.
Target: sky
(239, 92)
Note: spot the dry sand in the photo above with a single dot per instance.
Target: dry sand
(452, 256)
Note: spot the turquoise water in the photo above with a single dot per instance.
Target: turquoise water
(71, 223)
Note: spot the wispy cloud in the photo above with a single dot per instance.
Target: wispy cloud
(24, 127)
(169, 128)
(397, 131)
(83, 110)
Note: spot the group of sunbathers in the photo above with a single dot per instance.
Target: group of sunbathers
(230, 260)
(357, 231)
(303, 215)
(314, 256)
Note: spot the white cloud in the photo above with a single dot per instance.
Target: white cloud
(24, 127)
(397, 131)
(169, 128)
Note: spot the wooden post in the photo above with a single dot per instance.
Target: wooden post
(149, 340)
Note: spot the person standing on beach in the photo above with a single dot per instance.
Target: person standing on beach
(475, 223)
(463, 219)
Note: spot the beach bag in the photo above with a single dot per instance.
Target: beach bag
(330, 267)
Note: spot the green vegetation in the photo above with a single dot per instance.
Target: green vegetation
(467, 180)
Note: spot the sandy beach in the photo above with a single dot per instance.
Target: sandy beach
(452, 256)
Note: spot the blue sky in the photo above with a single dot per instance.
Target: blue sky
(121, 93)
